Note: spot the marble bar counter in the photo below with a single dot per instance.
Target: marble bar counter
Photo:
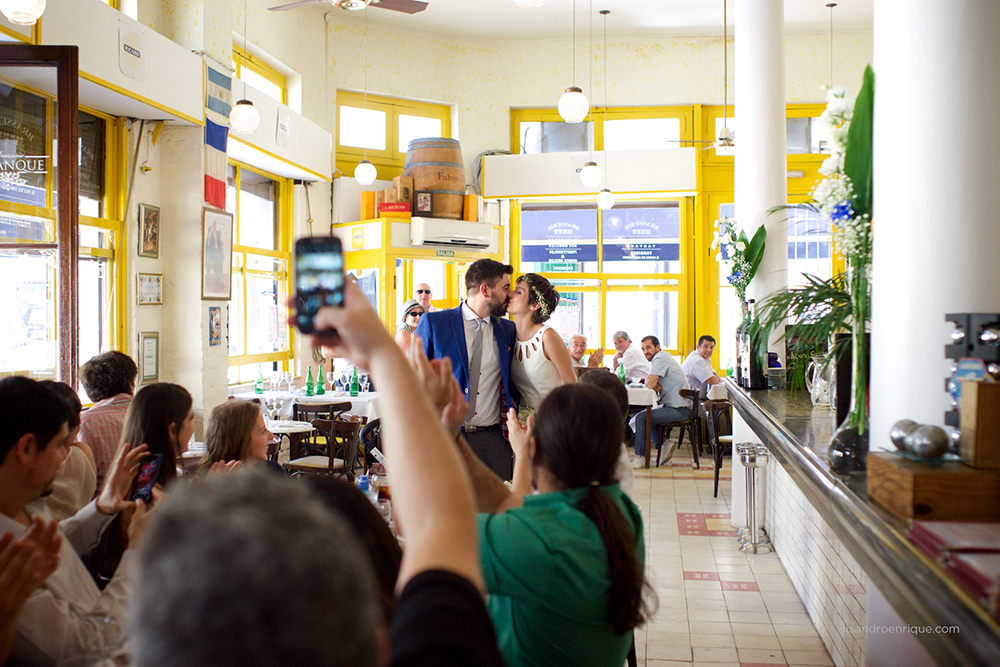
(852, 532)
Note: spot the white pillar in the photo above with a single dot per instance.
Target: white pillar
(936, 196)
(761, 138)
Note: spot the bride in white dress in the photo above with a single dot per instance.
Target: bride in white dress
(541, 359)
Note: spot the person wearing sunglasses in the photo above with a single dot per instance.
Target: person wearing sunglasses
(412, 312)
(422, 293)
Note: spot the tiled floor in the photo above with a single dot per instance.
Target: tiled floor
(717, 605)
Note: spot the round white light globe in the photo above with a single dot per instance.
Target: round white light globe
(573, 105)
(591, 175)
(365, 173)
(243, 119)
(22, 12)
(605, 199)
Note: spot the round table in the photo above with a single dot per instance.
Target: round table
(295, 432)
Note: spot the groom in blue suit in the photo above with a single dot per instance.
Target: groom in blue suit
(483, 373)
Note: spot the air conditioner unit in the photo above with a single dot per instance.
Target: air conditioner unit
(449, 233)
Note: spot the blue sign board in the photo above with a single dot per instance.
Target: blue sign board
(560, 235)
(642, 234)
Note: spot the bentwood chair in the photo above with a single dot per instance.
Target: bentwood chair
(719, 420)
(342, 450)
(307, 412)
(691, 425)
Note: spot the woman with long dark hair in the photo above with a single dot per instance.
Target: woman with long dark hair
(160, 416)
(564, 567)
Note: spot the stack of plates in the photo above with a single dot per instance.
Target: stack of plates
(776, 378)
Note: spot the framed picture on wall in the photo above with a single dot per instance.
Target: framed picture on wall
(216, 254)
(149, 231)
(149, 289)
(214, 325)
(149, 357)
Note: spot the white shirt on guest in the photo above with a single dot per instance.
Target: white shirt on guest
(488, 403)
(698, 370)
(636, 366)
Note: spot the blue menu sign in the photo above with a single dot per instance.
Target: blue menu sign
(642, 234)
(559, 235)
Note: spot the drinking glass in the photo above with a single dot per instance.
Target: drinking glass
(289, 378)
(345, 377)
(332, 378)
(363, 379)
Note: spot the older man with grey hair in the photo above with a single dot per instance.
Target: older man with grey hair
(636, 365)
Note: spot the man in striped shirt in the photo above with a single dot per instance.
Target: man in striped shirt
(109, 379)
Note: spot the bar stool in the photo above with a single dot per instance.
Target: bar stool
(753, 456)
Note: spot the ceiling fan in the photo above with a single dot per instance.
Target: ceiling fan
(405, 6)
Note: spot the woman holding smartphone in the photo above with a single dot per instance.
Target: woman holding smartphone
(160, 416)
(236, 431)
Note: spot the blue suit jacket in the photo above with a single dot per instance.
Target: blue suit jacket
(443, 333)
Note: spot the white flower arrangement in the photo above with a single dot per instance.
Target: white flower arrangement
(834, 195)
(743, 256)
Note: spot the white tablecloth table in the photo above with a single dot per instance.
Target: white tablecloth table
(364, 404)
(639, 397)
(295, 432)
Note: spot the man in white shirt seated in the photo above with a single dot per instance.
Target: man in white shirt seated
(67, 620)
(698, 367)
(578, 347)
(667, 379)
(636, 367)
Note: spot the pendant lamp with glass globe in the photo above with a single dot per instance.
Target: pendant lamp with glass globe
(22, 12)
(605, 198)
(365, 173)
(573, 105)
(244, 118)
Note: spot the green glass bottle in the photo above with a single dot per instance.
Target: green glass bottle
(320, 389)
(621, 371)
(354, 383)
(310, 387)
(258, 387)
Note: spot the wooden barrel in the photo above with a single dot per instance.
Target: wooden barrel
(435, 164)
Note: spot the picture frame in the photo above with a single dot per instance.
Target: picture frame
(149, 231)
(149, 289)
(216, 254)
(149, 357)
(214, 326)
(423, 202)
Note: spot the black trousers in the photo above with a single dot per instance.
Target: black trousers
(493, 450)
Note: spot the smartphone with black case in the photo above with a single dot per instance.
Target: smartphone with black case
(149, 470)
(319, 278)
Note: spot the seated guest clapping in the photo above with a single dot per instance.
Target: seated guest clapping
(161, 417)
(564, 568)
(250, 569)
(236, 432)
(24, 564)
(67, 619)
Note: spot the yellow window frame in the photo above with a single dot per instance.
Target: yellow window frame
(389, 162)
(685, 277)
(597, 115)
(283, 242)
(243, 58)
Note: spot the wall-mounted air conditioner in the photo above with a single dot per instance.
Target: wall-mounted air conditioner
(438, 232)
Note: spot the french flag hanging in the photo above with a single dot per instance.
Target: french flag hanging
(218, 101)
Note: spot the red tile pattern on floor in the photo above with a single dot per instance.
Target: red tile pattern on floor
(701, 576)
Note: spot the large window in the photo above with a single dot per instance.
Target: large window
(258, 321)
(28, 239)
(620, 269)
(381, 128)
